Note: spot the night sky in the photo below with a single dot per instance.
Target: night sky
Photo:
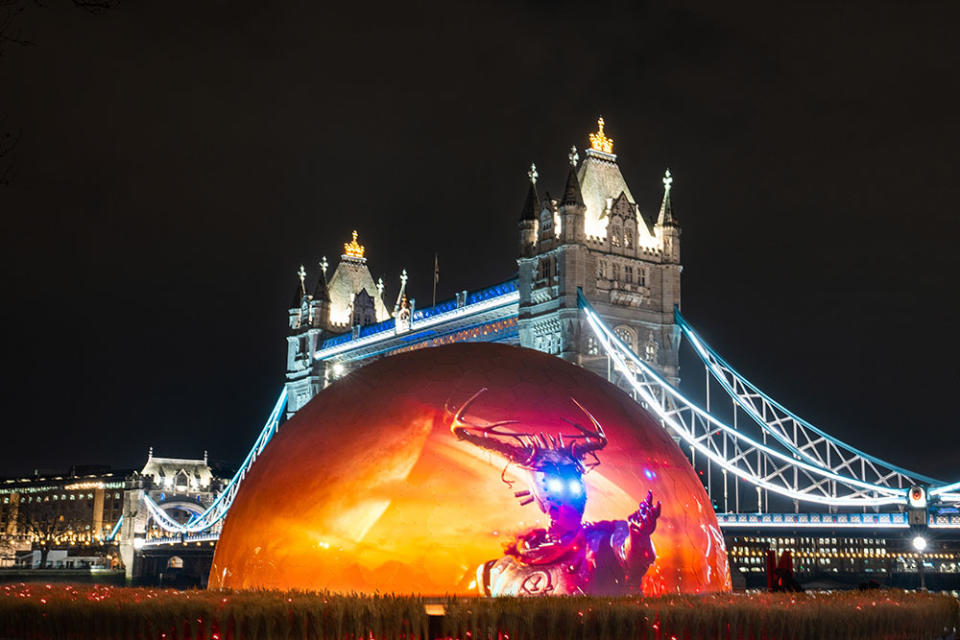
(178, 161)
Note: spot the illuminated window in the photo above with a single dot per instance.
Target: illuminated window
(593, 347)
(628, 336)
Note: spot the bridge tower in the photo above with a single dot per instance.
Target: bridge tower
(595, 237)
(349, 300)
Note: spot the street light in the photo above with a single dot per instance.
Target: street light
(920, 543)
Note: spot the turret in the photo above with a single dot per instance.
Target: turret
(572, 207)
(667, 230)
(528, 216)
(320, 302)
(297, 302)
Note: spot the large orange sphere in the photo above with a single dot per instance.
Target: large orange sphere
(366, 488)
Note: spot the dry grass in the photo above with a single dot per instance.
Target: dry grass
(37, 611)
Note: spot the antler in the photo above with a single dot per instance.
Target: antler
(593, 440)
(465, 431)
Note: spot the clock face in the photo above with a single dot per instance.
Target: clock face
(366, 488)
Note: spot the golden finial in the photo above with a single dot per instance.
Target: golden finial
(353, 249)
(599, 141)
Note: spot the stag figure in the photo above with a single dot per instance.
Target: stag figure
(569, 556)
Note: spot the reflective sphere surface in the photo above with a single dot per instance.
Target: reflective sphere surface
(366, 488)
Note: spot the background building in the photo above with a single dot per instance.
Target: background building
(51, 519)
(97, 519)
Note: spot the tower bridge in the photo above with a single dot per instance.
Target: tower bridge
(598, 284)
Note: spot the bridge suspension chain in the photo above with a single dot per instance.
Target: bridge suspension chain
(783, 472)
(796, 434)
(218, 509)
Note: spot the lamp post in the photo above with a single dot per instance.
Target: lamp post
(920, 543)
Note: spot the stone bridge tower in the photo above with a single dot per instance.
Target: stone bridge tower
(594, 236)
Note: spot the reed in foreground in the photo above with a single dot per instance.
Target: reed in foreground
(38, 611)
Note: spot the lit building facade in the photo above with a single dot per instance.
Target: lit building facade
(96, 517)
(839, 556)
(594, 237)
(76, 511)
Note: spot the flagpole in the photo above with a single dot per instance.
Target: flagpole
(436, 276)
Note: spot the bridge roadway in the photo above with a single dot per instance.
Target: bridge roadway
(727, 521)
(783, 455)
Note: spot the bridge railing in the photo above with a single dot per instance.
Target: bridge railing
(473, 302)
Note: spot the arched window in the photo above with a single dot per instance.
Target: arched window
(651, 349)
(628, 335)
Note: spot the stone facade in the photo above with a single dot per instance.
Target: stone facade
(348, 301)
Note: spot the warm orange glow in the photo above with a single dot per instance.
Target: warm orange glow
(366, 489)
(599, 140)
(353, 249)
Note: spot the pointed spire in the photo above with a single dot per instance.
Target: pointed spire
(301, 289)
(402, 295)
(320, 292)
(531, 207)
(666, 210)
(571, 192)
(573, 156)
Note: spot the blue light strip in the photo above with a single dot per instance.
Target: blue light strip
(214, 513)
(429, 334)
(476, 297)
(116, 528)
(947, 488)
(813, 520)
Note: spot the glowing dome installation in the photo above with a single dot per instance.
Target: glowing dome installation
(398, 478)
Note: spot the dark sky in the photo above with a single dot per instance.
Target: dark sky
(179, 160)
